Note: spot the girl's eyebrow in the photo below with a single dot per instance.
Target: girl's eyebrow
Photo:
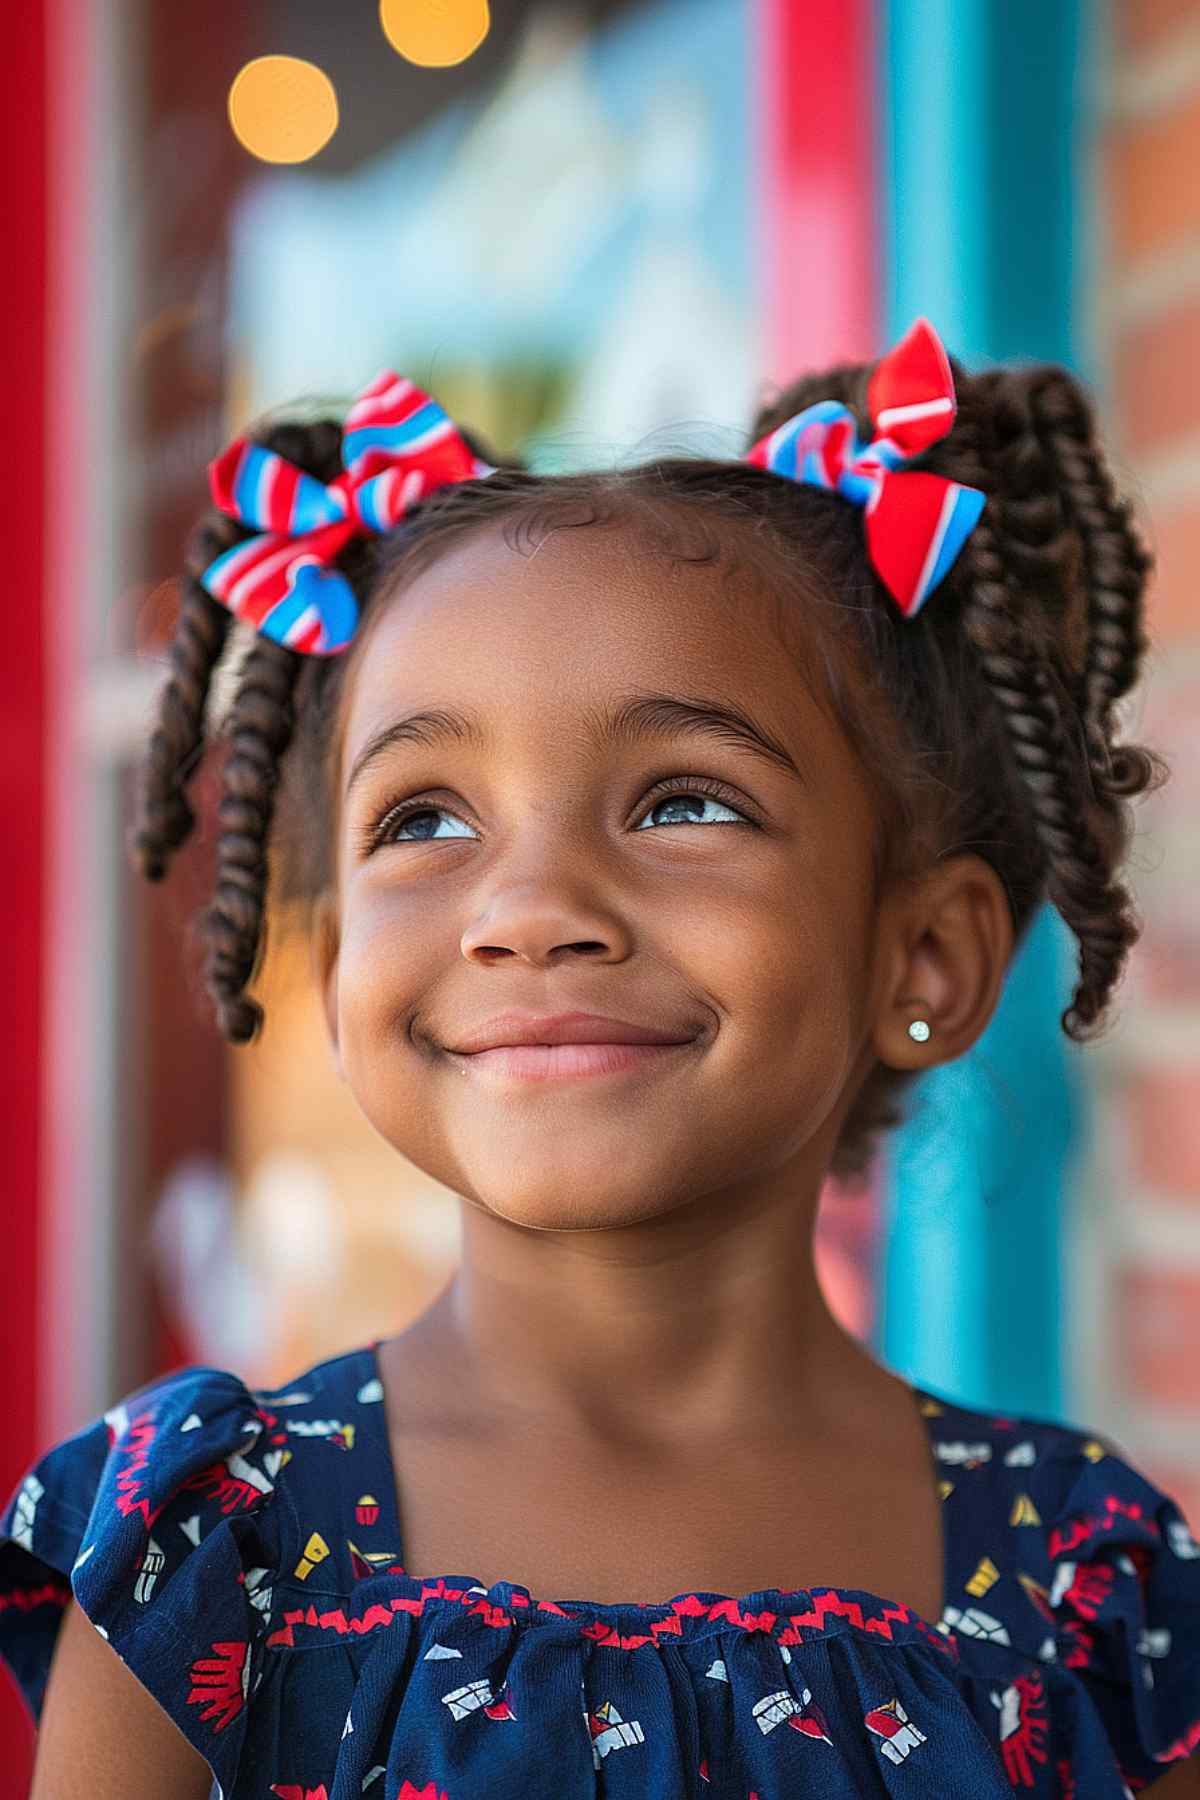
(631, 719)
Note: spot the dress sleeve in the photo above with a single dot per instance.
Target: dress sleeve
(160, 1519)
(1125, 1593)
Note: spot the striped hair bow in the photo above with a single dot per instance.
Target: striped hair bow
(916, 523)
(397, 447)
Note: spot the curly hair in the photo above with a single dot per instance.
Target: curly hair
(985, 722)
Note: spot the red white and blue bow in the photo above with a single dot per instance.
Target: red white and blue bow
(397, 447)
(916, 523)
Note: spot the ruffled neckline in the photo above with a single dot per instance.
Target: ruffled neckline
(790, 1615)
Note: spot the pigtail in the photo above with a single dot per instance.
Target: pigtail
(164, 819)
(1117, 566)
(259, 727)
(1022, 569)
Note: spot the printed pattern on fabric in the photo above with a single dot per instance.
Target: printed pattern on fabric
(242, 1552)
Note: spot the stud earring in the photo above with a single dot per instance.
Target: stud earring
(919, 1029)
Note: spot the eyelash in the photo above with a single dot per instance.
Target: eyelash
(392, 816)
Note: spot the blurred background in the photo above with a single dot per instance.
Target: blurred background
(593, 232)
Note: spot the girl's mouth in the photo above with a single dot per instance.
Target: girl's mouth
(556, 1062)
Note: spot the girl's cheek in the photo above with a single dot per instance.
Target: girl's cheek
(385, 962)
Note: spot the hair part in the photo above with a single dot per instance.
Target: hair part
(985, 722)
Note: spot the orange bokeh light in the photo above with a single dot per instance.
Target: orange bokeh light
(282, 109)
(435, 33)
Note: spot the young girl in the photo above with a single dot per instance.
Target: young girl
(660, 826)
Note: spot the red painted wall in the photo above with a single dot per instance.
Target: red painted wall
(22, 807)
(816, 109)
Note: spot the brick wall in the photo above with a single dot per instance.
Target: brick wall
(1138, 1254)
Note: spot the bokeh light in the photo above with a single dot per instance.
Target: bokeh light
(435, 33)
(282, 109)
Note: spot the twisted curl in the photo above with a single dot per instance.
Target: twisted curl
(985, 723)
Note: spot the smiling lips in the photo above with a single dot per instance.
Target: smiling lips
(569, 1044)
(516, 1029)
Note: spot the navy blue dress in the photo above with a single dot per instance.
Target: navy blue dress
(241, 1552)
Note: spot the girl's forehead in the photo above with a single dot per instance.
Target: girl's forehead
(596, 572)
(564, 618)
(580, 640)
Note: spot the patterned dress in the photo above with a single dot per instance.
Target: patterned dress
(240, 1550)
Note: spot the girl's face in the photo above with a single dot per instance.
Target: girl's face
(672, 877)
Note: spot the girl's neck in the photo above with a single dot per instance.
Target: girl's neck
(687, 1324)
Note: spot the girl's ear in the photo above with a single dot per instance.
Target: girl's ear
(324, 945)
(951, 944)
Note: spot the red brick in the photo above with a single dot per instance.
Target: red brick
(1157, 369)
(1163, 1116)
(1164, 968)
(1173, 594)
(1169, 974)
(1159, 1310)
(1142, 24)
(1147, 164)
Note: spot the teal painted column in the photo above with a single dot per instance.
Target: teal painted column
(984, 207)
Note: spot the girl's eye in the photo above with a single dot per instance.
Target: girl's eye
(690, 799)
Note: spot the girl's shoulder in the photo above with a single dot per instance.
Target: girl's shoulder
(1049, 1492)
(1059, 1544)
(1043, 1472)
(1016, 1448)
(166, 1519)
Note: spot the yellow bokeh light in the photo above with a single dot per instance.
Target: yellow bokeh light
(435, 33)
(282, 109)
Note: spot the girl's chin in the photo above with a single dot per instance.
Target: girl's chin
(552, 1212)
